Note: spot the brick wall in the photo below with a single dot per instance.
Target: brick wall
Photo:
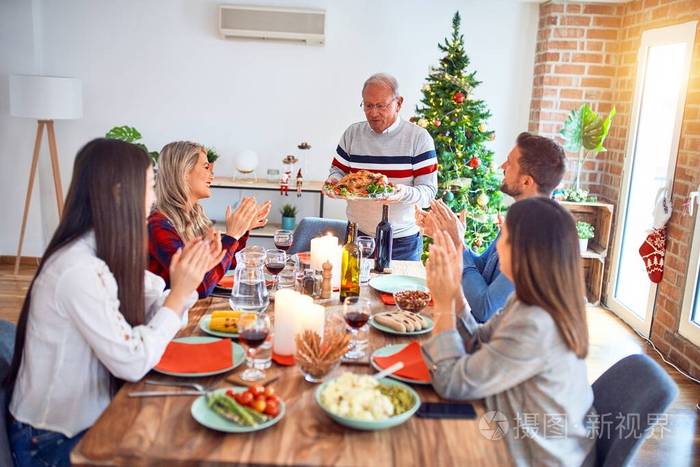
(575, 62)
(588, 53)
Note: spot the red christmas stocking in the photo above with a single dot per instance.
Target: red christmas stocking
(652, 252)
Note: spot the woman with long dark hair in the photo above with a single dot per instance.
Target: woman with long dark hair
(527, 361)
(184, 178)
(93, 315)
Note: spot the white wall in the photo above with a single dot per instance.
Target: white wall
(161, 67)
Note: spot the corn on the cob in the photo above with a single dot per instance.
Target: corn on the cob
(224, 324)
(226, 314)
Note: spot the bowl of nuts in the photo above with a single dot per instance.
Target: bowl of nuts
(413, 300)
(317, 357)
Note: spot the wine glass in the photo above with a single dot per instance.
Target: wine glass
(275, 261)
(253, 330)
(283, 239)
(356, 312)
(366, 245)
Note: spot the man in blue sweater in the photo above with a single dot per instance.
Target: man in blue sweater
(534, 167)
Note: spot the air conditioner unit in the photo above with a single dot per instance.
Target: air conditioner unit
(259, 22)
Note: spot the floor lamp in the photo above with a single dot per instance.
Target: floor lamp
(45, 99)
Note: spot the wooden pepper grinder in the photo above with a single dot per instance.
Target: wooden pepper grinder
(326, 284)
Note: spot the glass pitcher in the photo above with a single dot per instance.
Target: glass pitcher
(249, 292)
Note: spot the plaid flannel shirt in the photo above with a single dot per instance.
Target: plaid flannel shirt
(163, 242)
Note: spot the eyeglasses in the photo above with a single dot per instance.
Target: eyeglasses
(377, 107)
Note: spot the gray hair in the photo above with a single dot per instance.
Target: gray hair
(384, 79)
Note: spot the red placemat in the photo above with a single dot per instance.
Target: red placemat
(388, 299)
(226, 282)
(180, 357)
(413, 365)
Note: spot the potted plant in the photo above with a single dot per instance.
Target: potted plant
(585, 232)
(131, 135)
(212, 156)
(289, 214)
(584, 133)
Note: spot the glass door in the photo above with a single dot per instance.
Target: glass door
(652, 146)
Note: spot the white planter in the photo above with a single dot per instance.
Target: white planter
(583, 243)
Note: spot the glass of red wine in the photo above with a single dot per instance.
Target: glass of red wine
(253, 330)
(283, 239)
(356, 313)
(275, 261)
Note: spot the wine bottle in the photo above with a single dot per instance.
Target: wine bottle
(383, 237)
(350, 266)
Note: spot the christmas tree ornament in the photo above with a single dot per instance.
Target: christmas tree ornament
(423, 123)
(448, 197)
(425, 88)
(492, 136)
(482, 200)
(458, 97)
(474, 162)
(436, 123)
(482, 127)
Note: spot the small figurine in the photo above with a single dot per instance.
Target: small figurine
(326, 284)
(290, 159)
(300, 182)
(284, 183)
(304, 145)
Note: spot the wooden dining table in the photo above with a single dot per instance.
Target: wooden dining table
(161, 430)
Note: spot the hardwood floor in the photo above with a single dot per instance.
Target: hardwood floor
(678, 444)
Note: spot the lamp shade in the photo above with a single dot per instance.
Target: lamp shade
(46, 97)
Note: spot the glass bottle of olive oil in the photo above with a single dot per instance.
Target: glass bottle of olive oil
(350, 266)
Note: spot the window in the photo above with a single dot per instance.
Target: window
(690, 315)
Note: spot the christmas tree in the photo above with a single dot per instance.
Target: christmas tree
(467, 176)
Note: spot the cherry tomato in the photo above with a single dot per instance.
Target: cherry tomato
(259, 405)
(269, 391)
(260, 397)
(257, 389)
(231, 394)
(246, 398)
(273, 398)
(272, 409)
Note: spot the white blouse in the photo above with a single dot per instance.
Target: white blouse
(76, 336)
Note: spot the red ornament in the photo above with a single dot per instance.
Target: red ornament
(474, 162)
(478, 242)
(458, 97)
(436, 123)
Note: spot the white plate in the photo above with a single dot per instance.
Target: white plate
(396, 283)
(388, 330)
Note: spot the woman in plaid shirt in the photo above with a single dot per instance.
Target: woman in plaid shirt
(184, 178)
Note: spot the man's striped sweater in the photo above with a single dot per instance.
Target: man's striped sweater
(405, 153)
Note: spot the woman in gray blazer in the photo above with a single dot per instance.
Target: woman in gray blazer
(526, 362)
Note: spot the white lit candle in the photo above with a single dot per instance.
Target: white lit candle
(314, 318)
(326, 248)
(285, 322)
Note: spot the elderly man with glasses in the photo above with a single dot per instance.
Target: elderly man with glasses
(402, 151)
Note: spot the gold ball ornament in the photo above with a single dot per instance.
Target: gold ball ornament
(482, 200)
(482, 127)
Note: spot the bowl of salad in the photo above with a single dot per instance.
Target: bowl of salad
(363, 403)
